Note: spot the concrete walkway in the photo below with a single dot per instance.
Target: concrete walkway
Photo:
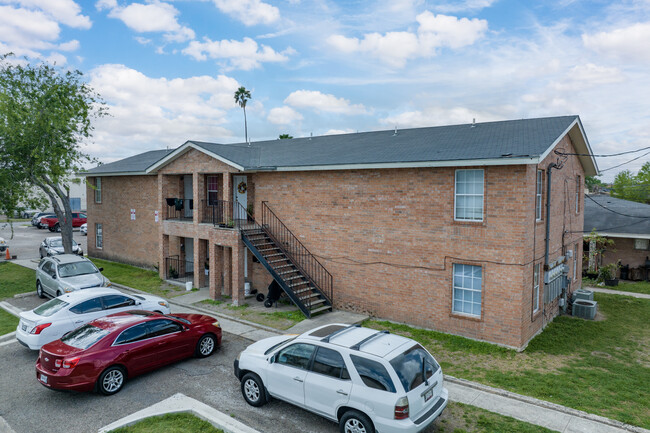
(552, 416)
(618, 292)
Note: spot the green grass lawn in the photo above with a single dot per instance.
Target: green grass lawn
(15, 279)
(138, 278)
(8, 322)
(462, 418)
(600, 366)
(171, 423)
(624, 286)
(277, 319)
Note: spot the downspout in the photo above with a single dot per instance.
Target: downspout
(548, 213)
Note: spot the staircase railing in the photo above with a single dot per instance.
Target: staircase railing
(300, 255)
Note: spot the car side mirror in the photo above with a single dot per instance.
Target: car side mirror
(101, 269)
(54, 276)
(272, 359)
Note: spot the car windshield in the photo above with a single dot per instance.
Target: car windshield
(59, 243)
(50, 307)
(77, 268)
(84, 337)
(272, 348)
(180, 319)
(408, 366)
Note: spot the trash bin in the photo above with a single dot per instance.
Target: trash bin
(625, 272)
(188, 285)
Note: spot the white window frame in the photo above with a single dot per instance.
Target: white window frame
(536, 276)
(539, 192)
(482, 195)
(641, 244)
(575, 262)
(473, 290)
(578, 194)
(99, 235)
(216, 177)
(98, 190)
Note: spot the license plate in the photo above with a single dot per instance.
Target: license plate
(428, 395)
(43, 378)
(24, 327)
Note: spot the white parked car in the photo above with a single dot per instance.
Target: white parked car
(51, 320)
(3, 245)
(84, 229)
(364, 379)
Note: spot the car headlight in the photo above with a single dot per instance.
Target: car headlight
(163, 303)
(68, 289)
(216, 324)
(238, 356)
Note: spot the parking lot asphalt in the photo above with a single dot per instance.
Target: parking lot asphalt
(27, 239)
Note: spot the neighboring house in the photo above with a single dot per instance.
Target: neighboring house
(627, 223)
(77, 195)
(442, 227)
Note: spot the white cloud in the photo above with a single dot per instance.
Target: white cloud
(629, 43)
(338, 131)
(249, 12)
(464, 5)
(323, 102)
(246, 54)
(438, 116)
(588, 75)
(283, 116)
(25, 28)
(56, 59)
(434, 32)
(152, 17)
(63, 11)
(151, 113)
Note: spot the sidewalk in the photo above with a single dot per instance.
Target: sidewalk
(618, 292)
(552, 416)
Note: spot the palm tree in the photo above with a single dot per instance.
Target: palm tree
(241, 97)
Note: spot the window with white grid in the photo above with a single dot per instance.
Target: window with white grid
(469, 195)
(538, 195)
(536, 276)
(467, 289)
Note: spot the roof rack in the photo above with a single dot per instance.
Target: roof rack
(340, 331)
(367, 339)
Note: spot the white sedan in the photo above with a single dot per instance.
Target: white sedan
(51, 320)
(84, 229)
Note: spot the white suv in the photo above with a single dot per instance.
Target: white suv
(364, 379)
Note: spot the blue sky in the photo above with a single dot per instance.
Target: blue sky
(168, 69)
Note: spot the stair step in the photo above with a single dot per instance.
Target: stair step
(280, 260)
(319, 309)
(268, 249)
(316, 302)
(293, 278)
(311, 295)
(297, 292)
(283, 266)
(288, 272)
(273, 255)
(298, 284)
(261, 244)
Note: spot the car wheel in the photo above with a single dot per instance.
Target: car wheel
(39, 290)
(206, 345)
(268, 303)
(260, 297)
(253, 390)
(355, 422)
(111, 380)
(57, 227)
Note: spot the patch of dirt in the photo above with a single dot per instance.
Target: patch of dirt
(251, 312)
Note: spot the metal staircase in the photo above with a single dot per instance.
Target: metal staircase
(300, 275)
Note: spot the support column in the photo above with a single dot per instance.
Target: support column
(200, 256)
(226, 189)
(198, 193)
(215, 269)
(238, 256)
(227, 271)
(164, 252)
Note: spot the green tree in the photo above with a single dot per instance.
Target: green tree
(593, 183)
(241, 97)
(285, 137)
(634, 187)
(45, 115)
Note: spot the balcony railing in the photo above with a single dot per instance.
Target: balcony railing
(218, 213)
(178, 270)
(180, 209)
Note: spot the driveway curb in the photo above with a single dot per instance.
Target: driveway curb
(545, 404)
(179, 403)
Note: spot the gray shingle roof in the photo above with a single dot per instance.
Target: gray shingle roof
(599, 217)
(491, 140)
(135, 164)
(521, 139)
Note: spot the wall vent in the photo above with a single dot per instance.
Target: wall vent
(585, 309)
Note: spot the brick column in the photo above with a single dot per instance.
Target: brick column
(164, 252)
(215, 269)
(226, 188)
(227, 271)
(200, 252)
(238, 257)
(198, 186)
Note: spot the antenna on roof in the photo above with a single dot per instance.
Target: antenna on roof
(473, 122)
(311, 134)
(395, 133)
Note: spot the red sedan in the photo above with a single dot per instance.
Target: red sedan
(103, 353)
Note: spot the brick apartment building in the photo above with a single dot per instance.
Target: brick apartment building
(443, 227)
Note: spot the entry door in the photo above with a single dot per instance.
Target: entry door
(188, 193)
(189, 255)
(240, 188)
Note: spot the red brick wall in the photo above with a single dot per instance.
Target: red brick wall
(124, 240)
(623, 250)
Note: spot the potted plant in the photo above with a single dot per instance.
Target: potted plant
(608, 274)
(597, 245)
(173, 273)
(231, 223)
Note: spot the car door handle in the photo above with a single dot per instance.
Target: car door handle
(340, 391)
(297, 379)
(76, 322)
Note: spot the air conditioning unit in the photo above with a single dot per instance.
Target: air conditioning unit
(582, 294)
(585, 309)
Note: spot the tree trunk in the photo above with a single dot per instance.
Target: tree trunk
(64, 215)
(245, 125)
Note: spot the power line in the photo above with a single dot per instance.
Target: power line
(602, 156)
(626, 162)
